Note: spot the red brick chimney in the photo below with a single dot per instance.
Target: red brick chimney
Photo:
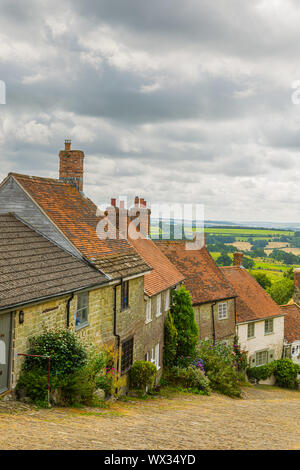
(297, 277)
(296, 295)
(71, 166)
(238, 259)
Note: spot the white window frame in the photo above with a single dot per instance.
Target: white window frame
(152, 356)
(80, 325)
(167, 301)
(158, 305)
(267, 322)
(223, 311)
(157, 350)
(148, 311)
(251, 325)
(266, 352)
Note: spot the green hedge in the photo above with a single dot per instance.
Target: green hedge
(142, 375)
(284, 370)
(190, 378)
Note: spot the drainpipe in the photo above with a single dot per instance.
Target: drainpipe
(68, 309)
(115, 320)
(213, 322)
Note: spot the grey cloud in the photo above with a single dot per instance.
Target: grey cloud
(222, 132)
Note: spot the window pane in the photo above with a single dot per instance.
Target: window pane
(158, 305)
(269, 326)
(261, 358)
(148, 311)
(127, 356)
(157, 356)
(125, 295)
(222, 311)
(167, 305)
(82, 309)
(251, 330)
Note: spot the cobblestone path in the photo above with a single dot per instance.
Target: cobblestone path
(264, 419)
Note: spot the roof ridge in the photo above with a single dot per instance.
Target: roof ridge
(32, 177)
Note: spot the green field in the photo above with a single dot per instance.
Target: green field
(240, 232)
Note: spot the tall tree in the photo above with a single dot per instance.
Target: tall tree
(184, 320)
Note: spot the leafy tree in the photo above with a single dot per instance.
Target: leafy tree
(282, 291)
(170, 343)
(248, 263)
(224, 260)
(257, 252)
(263, 280)
(184, 320)
(289, 274)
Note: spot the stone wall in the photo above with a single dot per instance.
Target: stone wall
(99, 331)
(154, 330)
(224, 329)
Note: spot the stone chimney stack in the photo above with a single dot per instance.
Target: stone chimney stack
(238, 259)
(71, 166)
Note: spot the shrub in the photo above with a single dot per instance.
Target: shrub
(74, 375)
(282, 291)
(34, 385)
(67, 354)
(190, 378)
(286, 372)
(170, 341)
(263, 279)
(261, 372)
(240, 357)
(184, 321)
(220, 367)
(142, 375)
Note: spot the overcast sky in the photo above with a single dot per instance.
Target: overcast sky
(176, 101)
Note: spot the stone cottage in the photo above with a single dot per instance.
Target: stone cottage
(43, 287)
(259, 320)
(159, 284)
(59, 210)
(213, 296)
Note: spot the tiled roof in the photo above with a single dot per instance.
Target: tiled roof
(164, 274)
(75, 215)
(253, 302)
(203, 278)
(291, 322)
(32, 267)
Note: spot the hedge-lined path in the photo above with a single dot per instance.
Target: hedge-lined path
(267, 418)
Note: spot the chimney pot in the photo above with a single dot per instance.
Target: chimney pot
(68, 144)
(238, 259)
(136, 200)
(113, 202)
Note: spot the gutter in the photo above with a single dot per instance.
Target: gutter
(68, 309)
(39, 300)
(215, 300)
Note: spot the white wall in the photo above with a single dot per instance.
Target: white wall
(296, 356)
(273, 341)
